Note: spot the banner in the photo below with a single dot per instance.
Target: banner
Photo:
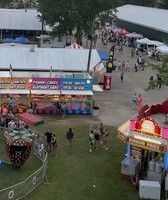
(46, 84)
(18, 83)
(110, 62)
(107, 82)
(76, 84)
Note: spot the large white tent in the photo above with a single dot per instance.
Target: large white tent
(163, 49)
(41, 59)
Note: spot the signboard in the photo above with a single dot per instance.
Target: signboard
(110, 62)
(76, 84)
(107, 82)
(136, 153)
(18, 83)
(148, 126)
(46, 84)
(145, 144)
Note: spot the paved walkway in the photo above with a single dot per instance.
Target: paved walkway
(115, 105)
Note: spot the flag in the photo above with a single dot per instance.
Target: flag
(96, 67)
(51, 72)
(11, 71)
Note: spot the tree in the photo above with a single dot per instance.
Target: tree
(148, 3)
(163, 4)
(5, 3)
(68, 16)
(162, 73)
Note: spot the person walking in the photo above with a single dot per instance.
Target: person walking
(139, 100)
(48, 134)
(69, 137)
(122, 76)
(54, 144)
(96, 138)
(106, 139)
(159, 81)
(91, 140)
(134, 100)
(101, 131)
(127, 66)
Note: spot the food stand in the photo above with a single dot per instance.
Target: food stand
(75, 90)
(146, 135)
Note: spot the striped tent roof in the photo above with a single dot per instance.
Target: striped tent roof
(75, 46)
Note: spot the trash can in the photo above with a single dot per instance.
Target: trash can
(95, 111)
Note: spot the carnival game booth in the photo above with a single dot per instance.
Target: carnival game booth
(146, 136)
(74, 90)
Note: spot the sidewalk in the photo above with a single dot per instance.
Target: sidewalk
(115, 105)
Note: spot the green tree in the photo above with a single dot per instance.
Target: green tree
(5, 3)
(162, 73)
(163, 4)
(150, 3)
(68, 16)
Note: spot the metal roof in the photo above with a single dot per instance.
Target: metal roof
(16, 19)
(154, 18)
(41, 59)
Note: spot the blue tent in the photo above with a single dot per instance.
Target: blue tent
(104, 55)
(22, 40)
(9, 40)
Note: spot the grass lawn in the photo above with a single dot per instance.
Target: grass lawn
(72, 174)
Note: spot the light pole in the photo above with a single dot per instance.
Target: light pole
(90, 37)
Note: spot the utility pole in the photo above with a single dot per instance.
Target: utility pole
(90, 37)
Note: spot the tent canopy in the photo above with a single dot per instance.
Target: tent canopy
(104, 55)
(123, 31)
(134, 35)
(149, 42)
(163, 49)
(75, 46)
(9, 40)
(22, 40)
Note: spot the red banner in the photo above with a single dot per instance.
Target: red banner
(107, 82)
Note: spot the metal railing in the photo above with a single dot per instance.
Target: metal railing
(22, 189)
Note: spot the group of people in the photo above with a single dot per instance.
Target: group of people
(52, 144)
(8, 117)
(136, 100)
(98, 135)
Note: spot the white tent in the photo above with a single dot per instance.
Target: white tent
(156, 43)
(144, 41)
(163, 49)
(150, 42)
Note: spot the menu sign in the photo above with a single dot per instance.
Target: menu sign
(18, 83)
(76, 84)
(45, 84)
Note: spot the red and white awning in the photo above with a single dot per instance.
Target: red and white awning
(75, 46)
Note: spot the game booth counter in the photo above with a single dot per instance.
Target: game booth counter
(75, 90)
(146, 136)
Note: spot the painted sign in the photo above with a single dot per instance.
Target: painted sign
(46, 84)
(145, 144)
(18, 83)
(76, 84)
(148, 126)
(136, 153)
(107, 82)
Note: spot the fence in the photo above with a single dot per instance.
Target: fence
(22, 189)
